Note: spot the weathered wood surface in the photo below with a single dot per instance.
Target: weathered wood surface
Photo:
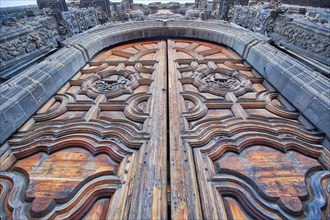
(97, 149)
(185, 202)
(100, 148)
(240, 140)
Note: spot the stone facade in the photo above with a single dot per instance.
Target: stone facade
(226, 6)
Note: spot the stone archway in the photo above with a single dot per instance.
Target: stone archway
(285, 74)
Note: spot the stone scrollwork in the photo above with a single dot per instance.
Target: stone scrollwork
(25, 44)
(90, 17)
(296, 32)
(293, 33)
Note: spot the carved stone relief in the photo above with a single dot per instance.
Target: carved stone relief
(298, 33)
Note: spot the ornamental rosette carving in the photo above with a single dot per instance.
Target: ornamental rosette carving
(111, 83)
(220, 81)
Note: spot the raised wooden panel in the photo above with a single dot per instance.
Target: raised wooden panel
(237, 143)
(47, 172)
(101, 146)
(80, 154)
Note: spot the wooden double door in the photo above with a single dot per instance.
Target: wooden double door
(165, 129)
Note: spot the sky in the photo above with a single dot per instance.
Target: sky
(9, 3)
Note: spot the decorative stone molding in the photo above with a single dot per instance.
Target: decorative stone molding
(311, 39)
(18, 44)
(26, 39)
(298, 33)
(225, 6)
(313, 3)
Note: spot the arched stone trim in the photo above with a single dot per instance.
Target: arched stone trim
(306, 89)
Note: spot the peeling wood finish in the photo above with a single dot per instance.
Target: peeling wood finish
(100, 148)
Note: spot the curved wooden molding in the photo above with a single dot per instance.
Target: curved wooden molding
(16, 196)
(256, 206)
(194, 54)
(79, 206)
(277, 109)
(242, 165)
(110, 146)
(232, 65)
(64, 99)
(132, 111)
(191, 67)
(142, 69)
(6, 185)
(320, 198)
(237, 143)
(200, 109)
(94, 69)
(204, 131)
(126, 133)
(102, 186)
(85, 188)
(141, 54)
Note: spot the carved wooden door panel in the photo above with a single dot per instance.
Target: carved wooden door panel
(237, 149)
(100, 148)
(97, 146)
